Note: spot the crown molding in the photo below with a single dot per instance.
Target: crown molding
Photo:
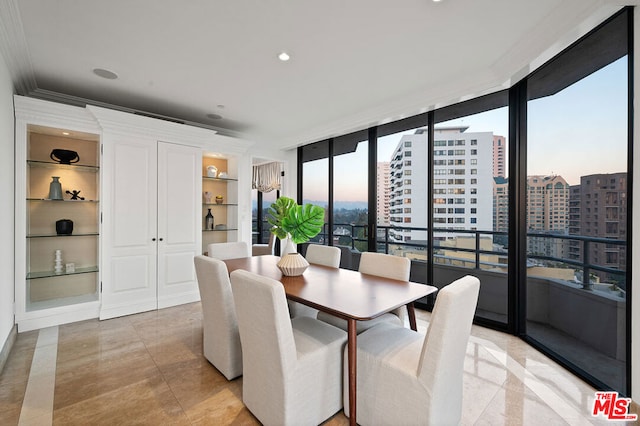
(13, 46)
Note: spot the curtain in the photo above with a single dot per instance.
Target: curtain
(266, 177)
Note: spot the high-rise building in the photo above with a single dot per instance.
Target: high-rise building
(383, 193)
(499, 156)
(547, 213)
(462, 183)
(599, 209)
(500, 204)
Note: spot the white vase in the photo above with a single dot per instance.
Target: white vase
(293, 264)
(286, 246)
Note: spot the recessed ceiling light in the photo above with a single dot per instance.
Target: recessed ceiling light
(284, 56)
(66, 133)
(214, 116)
(101, 72)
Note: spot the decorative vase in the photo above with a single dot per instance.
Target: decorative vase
(207, 197)
(293, 264)
(64, 227)
(212, 171)
(208, 221)
(55, 189)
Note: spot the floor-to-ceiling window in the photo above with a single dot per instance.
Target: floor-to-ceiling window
(576, 216)
(471, 199)
(350, 191)
(525, 188)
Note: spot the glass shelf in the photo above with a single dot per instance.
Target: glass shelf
(48, 274)
(220, 179)
(86, 234)
(216, 204)
(52, 165)
(64, 201)
(220, 230)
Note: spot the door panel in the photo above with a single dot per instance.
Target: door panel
(129, 227)
(179, 200)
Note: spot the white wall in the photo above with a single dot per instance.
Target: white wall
(7, 204)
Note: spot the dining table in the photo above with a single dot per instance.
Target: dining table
(347, 294)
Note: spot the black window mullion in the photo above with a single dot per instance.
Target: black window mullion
(373, 190)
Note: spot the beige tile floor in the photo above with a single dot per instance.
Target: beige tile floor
(148, 369)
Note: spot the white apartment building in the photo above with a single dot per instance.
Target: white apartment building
(462, 183)
(383, 193)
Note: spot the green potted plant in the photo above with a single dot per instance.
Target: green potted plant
(293, 223)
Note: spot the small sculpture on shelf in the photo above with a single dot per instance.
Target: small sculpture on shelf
(207, 197)
(75, 194)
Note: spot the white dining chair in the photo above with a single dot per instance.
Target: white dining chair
(382, 265)
(225, 251)
(292, 368)
(405, 377)
(317, 255)
(221, 339)
(323, 255)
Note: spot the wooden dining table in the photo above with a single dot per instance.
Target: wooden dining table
(347, 294)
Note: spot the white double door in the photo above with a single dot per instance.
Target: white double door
(151, 225)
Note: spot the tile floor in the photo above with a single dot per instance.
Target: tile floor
(148, 369)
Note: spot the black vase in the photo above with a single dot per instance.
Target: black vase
(64, 227)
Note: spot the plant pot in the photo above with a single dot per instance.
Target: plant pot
(293, 264)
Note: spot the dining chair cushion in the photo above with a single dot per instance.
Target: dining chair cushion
(405, 377)
(233, 250)
(292, 368)
(318, 255)
(221, 340)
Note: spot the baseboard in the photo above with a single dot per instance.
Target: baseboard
(8, 345)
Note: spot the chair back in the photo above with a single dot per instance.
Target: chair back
(263, 249)
(221, 339)
(385, 265)
(224, 251)
(269, 350)
(323, 255)
(442, 360)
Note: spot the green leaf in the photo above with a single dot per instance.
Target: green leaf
(276, 212)
(303, 222)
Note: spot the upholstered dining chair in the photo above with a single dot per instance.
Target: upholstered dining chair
(224, 251)
(262, 249)
(323, 255)
(318, 255)
(382, 265)
(221, 339)
(405, 377)
(292, 368)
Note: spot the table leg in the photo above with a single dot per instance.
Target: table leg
(412, 316)
(352, 354)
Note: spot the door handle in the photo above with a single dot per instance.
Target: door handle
(160, 239)
(153, 239)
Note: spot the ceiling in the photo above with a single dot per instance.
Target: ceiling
(353, 63)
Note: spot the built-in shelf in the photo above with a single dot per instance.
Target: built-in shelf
(220, 179)
(64, 201)
(84, 234)
(58, 166)
(220, 230)
(49, 274)
(62, 301)
(218, 204)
